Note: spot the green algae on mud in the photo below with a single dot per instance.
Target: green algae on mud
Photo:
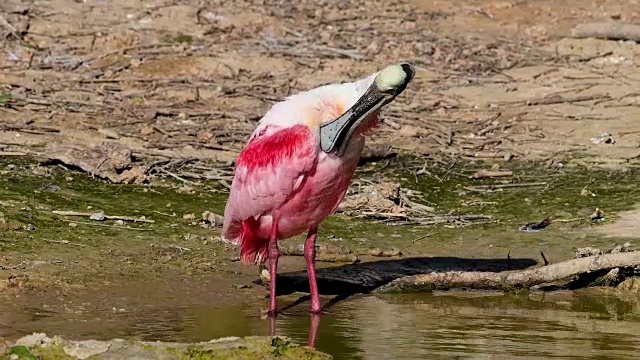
(31, 232)
(149, 269)
(562, 194)
(71, 248)
(39, 346)
(569, 195)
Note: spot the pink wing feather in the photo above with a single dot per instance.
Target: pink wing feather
(268, 171)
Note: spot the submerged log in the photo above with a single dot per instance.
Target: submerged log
(510, 280)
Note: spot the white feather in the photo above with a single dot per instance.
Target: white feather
(306, 106)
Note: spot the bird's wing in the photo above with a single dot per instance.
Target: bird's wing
(268, 171)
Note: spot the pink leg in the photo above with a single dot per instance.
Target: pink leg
(274, 254)
(310, 257)
(313, 332)
(272, 325)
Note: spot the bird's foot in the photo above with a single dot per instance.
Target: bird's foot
(317, 311)
(322, 311)
(271, 314)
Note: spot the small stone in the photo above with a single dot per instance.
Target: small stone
(212, 218)
(586, 252)
(631, 284)
(87, 348)
(34, 339)
(597, 215)
(626, 247)
(119, 222)
(185, 189)
(189, 217)
(98, 216)
(147, 130)
(264, 276)
(50, 187)
(109, 134)
(72, 224)
(204, 135)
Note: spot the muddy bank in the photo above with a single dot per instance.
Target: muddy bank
(69, 238)
(67, 229)
(40, 346)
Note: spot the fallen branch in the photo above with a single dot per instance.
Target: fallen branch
(65, 242)
(509, 280)
(336, 253)
(12, 30)
(481, 174)
(99, 216)
(324, 252)
(13, 267)
(415, 207)
(488, 188)
(607, 30)
(557, 99)
(112, 226)
(384, 253)
(176, 176)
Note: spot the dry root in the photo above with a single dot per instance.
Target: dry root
(107, 160)
(388, 202)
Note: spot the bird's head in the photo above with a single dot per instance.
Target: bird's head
(385, 86)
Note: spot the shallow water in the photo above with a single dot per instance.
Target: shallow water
(169, 281)
(449, 325)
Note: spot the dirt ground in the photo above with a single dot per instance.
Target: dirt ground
(175, 79)
(161, 83)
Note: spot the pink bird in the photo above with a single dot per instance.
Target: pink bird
(297, 165)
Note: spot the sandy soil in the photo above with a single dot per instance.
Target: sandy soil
(189, 78)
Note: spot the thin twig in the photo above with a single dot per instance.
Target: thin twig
(110, 217)
(66, 242)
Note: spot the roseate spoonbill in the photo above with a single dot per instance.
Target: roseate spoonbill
(296, 167)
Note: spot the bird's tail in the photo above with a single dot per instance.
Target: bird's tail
(253, 248)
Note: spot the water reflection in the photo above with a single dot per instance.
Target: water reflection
(383, 327)
(429, 326)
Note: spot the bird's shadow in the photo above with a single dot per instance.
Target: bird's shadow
(347, 280)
